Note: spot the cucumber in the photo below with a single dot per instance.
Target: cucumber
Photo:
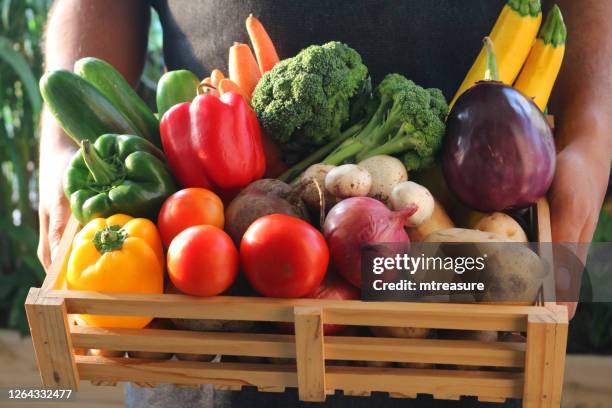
(81, 110)
(111, 84)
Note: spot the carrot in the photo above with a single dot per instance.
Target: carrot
(216, 76)
(262, 44)
(206, 85)
(243, 68)
(227, 85)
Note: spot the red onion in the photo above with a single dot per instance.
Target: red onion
(357, 221)
(335, 288)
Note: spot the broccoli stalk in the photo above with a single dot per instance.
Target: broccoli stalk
(320, 154)
(408, 121)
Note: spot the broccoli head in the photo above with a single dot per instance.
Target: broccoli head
(408, 122)
(304, 101)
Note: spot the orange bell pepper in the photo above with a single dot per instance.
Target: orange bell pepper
(119, 254)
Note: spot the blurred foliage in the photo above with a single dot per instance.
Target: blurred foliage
(21, 60)
(591, 329)
(22, 25)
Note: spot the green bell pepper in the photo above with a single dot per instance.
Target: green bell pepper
(117, 174)
(175, 87)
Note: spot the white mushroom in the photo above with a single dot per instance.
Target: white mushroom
(409, 193)
(348, 180)
(386, 172)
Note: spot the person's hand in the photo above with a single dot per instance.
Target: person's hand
(53, 208)
(576, 196)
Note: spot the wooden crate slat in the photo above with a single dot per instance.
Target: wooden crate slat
(349, 312)
(539, 361)
(463, 352)
(558, 370)
(426, 381)
(185, 372)
(183, 341)
(309, 353)
(48, 323)
(452, 318)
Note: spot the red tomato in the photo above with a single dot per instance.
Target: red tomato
(202, 261)
(186, 208)
(283, 256)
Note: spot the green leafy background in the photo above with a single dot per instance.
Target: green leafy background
(21, 33)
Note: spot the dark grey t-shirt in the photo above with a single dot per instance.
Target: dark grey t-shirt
(433, 42)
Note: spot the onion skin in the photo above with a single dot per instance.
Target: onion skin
(357, 221)
(499, 150)
(335, 288)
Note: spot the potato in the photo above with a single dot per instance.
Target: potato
(512, 273)
(310, 195)
(487, 336)
(400, 332)
(464, 235)
(438, 220)
(209, 324)
(502, 224)
(153, 355)
(213, 325)
(195, 357)
(386, 172)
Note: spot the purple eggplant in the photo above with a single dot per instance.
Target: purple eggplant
(499, 151)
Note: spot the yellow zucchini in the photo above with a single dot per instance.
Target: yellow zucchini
(513, 35)
(544, 62)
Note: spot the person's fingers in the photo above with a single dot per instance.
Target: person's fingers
(571, 308)
(43, 252)
(58, 219)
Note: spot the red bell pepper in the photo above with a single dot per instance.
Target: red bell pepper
(213, 142)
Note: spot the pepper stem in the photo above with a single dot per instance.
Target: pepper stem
(109, 239)
(491, 74)
(102, 172)
(205, 89)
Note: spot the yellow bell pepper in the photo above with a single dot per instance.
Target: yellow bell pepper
(119, 254)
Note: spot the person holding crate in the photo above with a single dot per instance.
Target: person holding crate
(432, 42)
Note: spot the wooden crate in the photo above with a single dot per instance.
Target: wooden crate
(532, 370)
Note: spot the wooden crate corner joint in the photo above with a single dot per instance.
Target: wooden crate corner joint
(309, 352)
(48, 321)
